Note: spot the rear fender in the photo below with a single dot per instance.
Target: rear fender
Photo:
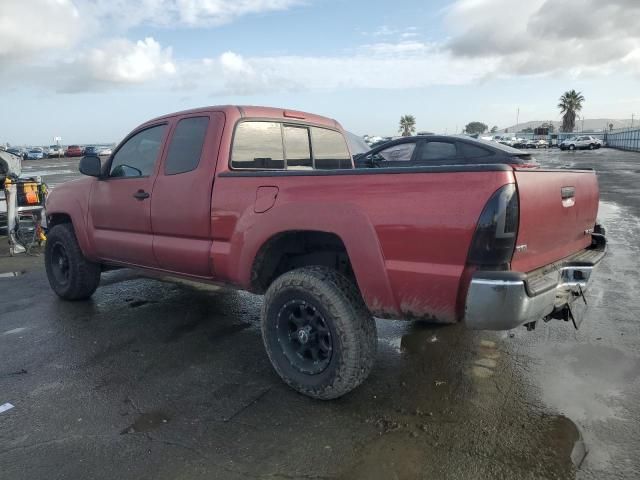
(234, 259)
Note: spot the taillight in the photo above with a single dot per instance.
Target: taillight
(495, 237)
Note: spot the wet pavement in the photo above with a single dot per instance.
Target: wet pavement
(164, 380)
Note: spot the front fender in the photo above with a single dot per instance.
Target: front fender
(71, 200)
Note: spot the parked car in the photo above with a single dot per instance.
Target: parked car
(440, 150)
(55, 151)
(542, 143)
(36, 153)
(74, 151)
(508, 141)
(357, 145)
(581, 142)
(18, 152)
(331, 247)
(90, 150)
(105, 151)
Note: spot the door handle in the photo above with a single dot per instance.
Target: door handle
(141, 195)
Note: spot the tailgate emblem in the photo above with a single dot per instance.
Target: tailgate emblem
(568, 195)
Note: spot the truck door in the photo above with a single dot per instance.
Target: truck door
(181, 202)
(120, 203)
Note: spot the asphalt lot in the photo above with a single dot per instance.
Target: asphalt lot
(153, 379)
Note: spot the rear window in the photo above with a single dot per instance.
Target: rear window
(329, 149)
(273, 145)
(258, 145)
(297, 148)
(185, 149)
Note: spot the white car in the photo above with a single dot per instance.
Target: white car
(508, 141)
(55, 151)
(541, 143)
(581, 142)
(104, 152)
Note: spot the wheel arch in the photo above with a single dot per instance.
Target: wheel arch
(346, 229)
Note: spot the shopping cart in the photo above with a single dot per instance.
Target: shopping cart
(28, 229)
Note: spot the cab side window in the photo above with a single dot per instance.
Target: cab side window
(186, 145)
(138, 156)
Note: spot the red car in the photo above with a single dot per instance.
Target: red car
(268, 200)
(74, 151)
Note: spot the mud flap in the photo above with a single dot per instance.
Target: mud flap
(578, 308)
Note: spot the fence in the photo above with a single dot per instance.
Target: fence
(627, 139)
(623, 139)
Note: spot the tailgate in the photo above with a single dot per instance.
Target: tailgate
(558, 209)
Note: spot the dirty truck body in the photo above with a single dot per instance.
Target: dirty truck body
(267, 200)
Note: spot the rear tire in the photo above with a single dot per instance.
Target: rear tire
(572, 147)
(318, 333)
(70, 274)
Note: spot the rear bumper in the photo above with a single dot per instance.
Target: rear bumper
(505, 300)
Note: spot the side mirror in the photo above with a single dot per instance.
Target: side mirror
(91, 166)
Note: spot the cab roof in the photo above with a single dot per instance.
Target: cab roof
(252, 111)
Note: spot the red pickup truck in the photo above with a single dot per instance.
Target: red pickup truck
(269, 201)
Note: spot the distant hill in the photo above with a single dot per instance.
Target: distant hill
(590, 124)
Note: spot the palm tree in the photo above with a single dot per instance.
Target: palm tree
(407, 125)
(570, 104)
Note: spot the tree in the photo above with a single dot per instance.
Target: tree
(526, 130)
(407, 125)
(610, 126)
(475, 127)
(570, 104)
(494, 129)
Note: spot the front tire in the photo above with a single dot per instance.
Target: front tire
(572, 147)
(70, 274)
(318, 333)
(591, 146)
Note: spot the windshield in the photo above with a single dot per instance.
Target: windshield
(356, 144)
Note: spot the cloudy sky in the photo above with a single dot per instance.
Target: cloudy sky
(91, 70)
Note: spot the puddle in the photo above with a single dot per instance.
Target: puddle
(12, 274)
(147, 422)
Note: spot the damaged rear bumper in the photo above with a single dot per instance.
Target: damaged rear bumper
(505, 300)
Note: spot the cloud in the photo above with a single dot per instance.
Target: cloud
(172, 13)
(543, 36)
(28, 27)
(384, 66)
(116, 63)
(122, 61)
(81, 45)
(31, 28)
